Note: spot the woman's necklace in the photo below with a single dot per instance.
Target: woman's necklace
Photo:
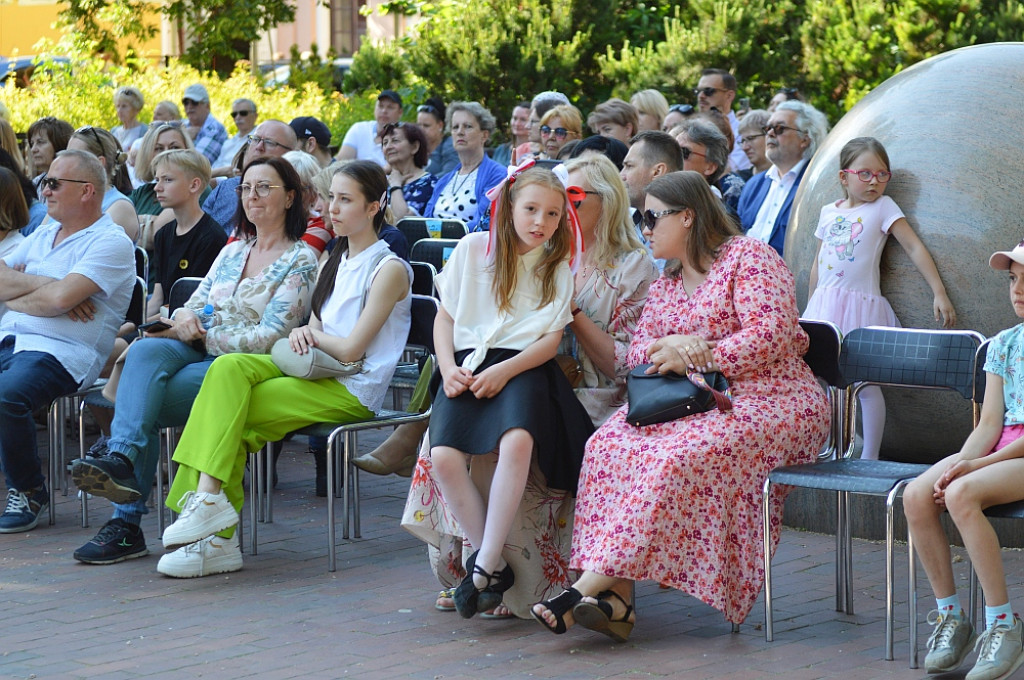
(459, 185)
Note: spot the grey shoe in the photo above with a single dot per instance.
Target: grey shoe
(950, 642)
(1002, 652)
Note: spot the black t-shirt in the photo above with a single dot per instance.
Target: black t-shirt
(188, 255)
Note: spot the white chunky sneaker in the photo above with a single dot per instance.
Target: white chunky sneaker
(211, 555)
(1002, 651)
(950, 641)
(203, 514)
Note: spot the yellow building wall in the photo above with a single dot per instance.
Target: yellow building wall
(24, 22)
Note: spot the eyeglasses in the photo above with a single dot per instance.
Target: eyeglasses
(778, 129)
(427, 108)
(239, 114)
(709, 91)
(650, 218)
(560, 133)
(579, 201)
(749, 139)
(687, 152)
(685, 109)
(260, 190)
(268, 144)
(883, 176)
(53, 183)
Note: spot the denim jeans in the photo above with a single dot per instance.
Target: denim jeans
(158, 384)
(28, 380)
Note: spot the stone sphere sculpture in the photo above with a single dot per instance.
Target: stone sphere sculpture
(952, 130)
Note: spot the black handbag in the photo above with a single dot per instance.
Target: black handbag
(658, 398)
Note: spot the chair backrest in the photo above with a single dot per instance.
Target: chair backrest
(910, 357)
(823, 352)
(137, 307)
(141, 263)
(436, 251)
(418, 228)
(423, 274)
(905, 357)
(979, 371)
(181, 291)
(421, 332)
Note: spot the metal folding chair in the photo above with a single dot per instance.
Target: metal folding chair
(894, 357)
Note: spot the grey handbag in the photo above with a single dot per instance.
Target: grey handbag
(316, 363)
(312, 365)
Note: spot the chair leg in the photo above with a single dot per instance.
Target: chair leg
(331, 532)
(53, 418)
(890, 568)
(350, 452)
(840, 555)
(847, 556)
(81, 454)
(769, 623)
(255, 478)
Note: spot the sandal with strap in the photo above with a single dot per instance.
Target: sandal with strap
(598, 616)
(446, 594)
(569, 598)
(469, 600)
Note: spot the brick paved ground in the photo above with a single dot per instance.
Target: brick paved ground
(285, 616)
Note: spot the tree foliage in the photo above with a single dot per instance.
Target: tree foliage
(102, 26)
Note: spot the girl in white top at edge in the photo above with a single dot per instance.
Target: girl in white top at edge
(505, 298)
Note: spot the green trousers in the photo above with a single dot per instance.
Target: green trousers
(246, 401)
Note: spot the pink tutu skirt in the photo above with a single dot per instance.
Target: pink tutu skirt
(849, 309)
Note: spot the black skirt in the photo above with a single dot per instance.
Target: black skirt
(540, 401)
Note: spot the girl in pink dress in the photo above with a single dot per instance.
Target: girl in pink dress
(679, 502)
(844, 286)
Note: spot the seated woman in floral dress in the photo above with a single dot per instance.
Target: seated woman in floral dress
(680, 502)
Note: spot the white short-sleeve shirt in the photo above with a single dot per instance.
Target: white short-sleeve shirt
(102, 253)
(465, 287)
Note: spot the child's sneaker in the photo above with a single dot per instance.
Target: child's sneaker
(950, 642)
(1002, 651)
(203, 514)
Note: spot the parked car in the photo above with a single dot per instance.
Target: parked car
(18, 70)
(278, 73)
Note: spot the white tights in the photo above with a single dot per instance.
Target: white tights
(872, 411)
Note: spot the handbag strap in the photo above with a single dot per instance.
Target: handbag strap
(381, 257)
(722, 399)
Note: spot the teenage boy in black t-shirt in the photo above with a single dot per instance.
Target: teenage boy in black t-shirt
(188, 245)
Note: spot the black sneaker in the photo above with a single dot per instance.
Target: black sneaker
(109, 476)
(116, 542)
(23, 510)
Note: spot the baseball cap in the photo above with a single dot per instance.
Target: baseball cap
(1002, 258)
(196, 93)
(308, 126)
(390, 94)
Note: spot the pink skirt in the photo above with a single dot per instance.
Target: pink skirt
(849, 309)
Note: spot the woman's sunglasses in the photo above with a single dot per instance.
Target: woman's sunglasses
(560, 133)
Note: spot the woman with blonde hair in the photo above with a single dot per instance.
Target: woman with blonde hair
(559, 126)
(128, 102)
(652, 107)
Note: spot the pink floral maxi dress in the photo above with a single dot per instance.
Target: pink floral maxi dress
(680, 502)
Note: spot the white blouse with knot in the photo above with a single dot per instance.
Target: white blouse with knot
(465, 287)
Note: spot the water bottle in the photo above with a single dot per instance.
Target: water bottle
(206, 316)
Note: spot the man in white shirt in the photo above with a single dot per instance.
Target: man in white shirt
(362, 140)
(717, 89)
(792, 135)
(67, 289)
